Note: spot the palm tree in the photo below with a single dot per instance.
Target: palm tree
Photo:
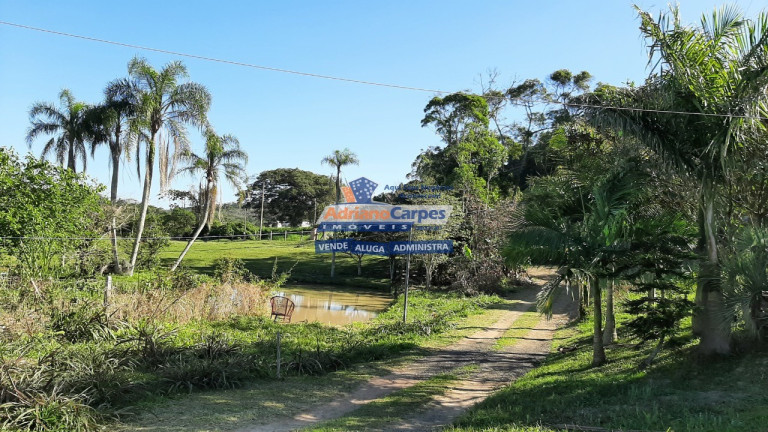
(718, 70)
(223, 156)
(68, 125)
(586, 234)
(164, 106)
(111, 121)
(338, 159)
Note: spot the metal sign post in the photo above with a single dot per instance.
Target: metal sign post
(407, 277)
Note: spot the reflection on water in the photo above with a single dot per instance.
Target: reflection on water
(333, 305)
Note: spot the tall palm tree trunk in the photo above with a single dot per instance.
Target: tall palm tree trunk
(113, 200)
(144, 202)
(598, 351)
(609, 332)
(199, 229)
(715, 327)
(338, 201)
(71, 157)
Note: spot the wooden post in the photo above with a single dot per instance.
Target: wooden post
(286, 235)
(407, 275)
(279, 336)
(270, 235)
(107, 291)
(261, 218)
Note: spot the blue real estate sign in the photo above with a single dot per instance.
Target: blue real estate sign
(361, 214)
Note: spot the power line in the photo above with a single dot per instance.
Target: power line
(569, 104)
(362, 82)
(218, 60)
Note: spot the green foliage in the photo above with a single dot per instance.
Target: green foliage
(290, 195)
(339, 159)
(47, 212)
(179, 222)
(83, 320)
(745, 277)
(230, 270)
(473, 155)
(69, 124)
(234, 229)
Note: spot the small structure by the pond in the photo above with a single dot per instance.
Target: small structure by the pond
(282, 308)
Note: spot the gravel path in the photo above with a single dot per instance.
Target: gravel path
(496, 368)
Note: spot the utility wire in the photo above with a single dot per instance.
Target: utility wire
(362, 82)
(218, 60)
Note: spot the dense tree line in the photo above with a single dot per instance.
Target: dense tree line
(659, 186)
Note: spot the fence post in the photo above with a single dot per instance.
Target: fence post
(270, 235)
(107, 291)
(107, 295)
(279, 336)
(286, 235)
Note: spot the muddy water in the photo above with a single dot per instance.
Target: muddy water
(334, 305)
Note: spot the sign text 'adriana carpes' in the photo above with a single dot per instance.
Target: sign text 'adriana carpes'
(418, 214)
(360, 208)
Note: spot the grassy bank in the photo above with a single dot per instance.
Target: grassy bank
(298, 257)
(678, 393)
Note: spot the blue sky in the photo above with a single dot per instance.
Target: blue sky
(289, 121)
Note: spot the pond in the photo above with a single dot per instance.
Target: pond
(334, 305)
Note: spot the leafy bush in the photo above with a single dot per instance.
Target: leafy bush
(179, 222)
(233, 229)
(231, 270)
(47, 211)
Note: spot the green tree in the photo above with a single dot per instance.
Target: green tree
(164, 106)
(719, 72)
(47, 211)
(67, 125)
(586, 230)
(291, 194)
(179, 222)
(339, 159)
(222, 157)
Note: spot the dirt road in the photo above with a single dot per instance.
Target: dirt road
(495, 368)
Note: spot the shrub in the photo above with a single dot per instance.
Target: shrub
(84, 321)
(233, 229)
(179, 222)
(231, 270)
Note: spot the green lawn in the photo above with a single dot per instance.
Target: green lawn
(298, 257)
